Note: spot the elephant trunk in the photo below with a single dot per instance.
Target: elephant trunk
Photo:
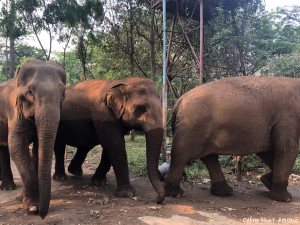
(47, 121)
(153, 148)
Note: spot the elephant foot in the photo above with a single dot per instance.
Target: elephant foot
(30, 206)
(221, 189)
(173, 191)
(75, 170)
(99, 182)
(281, 196)
(8, 185)
(267, 180)
(60, 177)
(125, 191)
(33, 210)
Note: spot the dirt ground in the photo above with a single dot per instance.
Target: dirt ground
(75, 202)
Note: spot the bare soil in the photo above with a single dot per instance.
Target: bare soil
(75, 202)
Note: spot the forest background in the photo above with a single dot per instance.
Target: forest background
(112, 39)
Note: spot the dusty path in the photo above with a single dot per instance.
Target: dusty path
(74, 202)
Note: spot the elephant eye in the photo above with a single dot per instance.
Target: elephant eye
(22, 98)
(140, 110)
(29, 96)
(63, 95)
(29, 92)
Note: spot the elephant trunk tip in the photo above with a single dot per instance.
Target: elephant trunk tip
(43, 214)
(160, 198)
(43, 209)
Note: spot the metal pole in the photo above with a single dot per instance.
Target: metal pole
(201, 43)
(164, 87)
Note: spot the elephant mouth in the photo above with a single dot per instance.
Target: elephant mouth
(31, 118)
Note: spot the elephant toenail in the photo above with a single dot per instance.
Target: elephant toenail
(33, 209)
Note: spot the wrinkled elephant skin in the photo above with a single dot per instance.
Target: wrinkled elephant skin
(30, 112)
(102, 112)
(237, 116)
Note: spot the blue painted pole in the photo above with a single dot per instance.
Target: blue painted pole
(164, 52)
(164, 87)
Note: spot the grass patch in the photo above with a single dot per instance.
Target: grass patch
(296, 168)
(194, 172)
(136, 155)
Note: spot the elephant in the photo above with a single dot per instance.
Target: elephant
(101, 112)
(99, 178)
(237, 116)
(30, 112)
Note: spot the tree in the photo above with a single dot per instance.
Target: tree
(286, 25)
(287, 65)
(78, 20)
(11, 28)
(132, 25)
(22, 54)
(32, 12)
(236, 43)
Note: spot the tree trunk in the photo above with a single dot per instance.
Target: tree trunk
(12, 41)
(152, 50)
(131, 39)
(6, 57)
(238, 167)
(132, 135)
(238, 45)
(12, 58)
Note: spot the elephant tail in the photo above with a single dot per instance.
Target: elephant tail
(174, 114)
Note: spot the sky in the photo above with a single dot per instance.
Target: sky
(270, 5)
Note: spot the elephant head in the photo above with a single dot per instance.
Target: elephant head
(136, 103)
(40, 88)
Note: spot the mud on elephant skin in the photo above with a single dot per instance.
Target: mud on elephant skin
(102, 112)
(31, 105)
(238, 116)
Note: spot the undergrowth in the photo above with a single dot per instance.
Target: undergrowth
(194, 171)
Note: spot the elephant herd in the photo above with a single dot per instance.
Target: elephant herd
(232, 116)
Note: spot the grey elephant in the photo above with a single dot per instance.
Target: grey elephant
(102, 112)
(238, 116)
(30, 112)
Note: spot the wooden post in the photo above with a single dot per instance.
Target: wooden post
(201, 43)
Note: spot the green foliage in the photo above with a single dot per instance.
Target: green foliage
(296, 168)
(287, 65)
(136, 155)
(23, 53)
(72, 67)
(235, 43)
(195, 171)
(10, 23)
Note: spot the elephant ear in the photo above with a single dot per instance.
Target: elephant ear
(116, 99)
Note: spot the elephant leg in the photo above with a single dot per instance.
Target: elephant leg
(175, 173)
(112, 140)
(75, 166)
(285, 145)
(28, 174)
(35, 155)
(219, 185)
(59, 150)
(99, 178)
(267, 158)
(5, 170)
